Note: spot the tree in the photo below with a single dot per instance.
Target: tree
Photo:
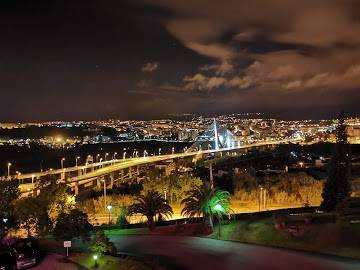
(31, 215)
(9, 193)
(150, 205)
(72, 225)
(338, 184)
(175, 186)
(204, 201)
(100, 244)
(121, 220)
(56, 197)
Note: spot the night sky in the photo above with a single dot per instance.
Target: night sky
(128, 59)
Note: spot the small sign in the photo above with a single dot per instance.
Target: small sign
(67, 244)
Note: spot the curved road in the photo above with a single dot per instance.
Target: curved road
(203, 253)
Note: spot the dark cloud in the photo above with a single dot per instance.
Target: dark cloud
(96, 59)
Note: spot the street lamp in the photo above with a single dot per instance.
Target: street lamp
(18, 175)
(173, 150)
(105, 194)
(32, 178)
(76, 161)
(159, 151)
(95, 257)
(219, 210)
(145, 153)
(106, 154)
(97, 158)
(62, 163)
(8, 167)
(109, 207)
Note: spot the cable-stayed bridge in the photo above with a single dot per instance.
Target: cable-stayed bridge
(214, 142)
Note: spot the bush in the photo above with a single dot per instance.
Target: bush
(100, 244)
(72, 225)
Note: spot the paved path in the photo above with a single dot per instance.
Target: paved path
(203, 253)
(54, 262)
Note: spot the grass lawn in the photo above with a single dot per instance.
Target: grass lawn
(127, 231)
(109, 263)
(331, 238)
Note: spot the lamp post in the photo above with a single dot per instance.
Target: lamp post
(173, 150)
(106, 154)
(219, 210)
(32, 178)
(76, 161)
(159, 151)
(18, 175)
(62, 163)
(8, 168)
(105, 194)
(5, 220)
(95, 257)
(109, 207)
(97, 158)
(124, 155)
(114, 156)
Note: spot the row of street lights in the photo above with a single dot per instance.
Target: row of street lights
(135, 154)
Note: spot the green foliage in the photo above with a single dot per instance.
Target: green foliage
(204, 201)
(176, 186)
(338, 184)
(56, 197)
(289, 188)
(95, 206)
(31, 214)
(150, 205)
(71, 225)
(121, 220)
(101, 244)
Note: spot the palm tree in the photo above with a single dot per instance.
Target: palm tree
(150, 205)
(206, 202)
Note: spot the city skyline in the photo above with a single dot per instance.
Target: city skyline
(69, 60)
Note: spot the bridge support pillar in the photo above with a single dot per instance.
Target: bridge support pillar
(76, 189)
(62, 176)
(98, 182)
(121, 177)
(137, 169)
(130, 172)
(79, 172)
(112, 177)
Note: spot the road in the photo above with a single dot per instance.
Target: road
(203, 253)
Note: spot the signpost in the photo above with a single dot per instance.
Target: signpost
(67, 245)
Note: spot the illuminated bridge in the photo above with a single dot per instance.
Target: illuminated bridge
(106, 174)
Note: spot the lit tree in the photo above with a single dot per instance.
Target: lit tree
(338, 185)
(9, 193)
(206, 202)
(31, 215)
(150, 205)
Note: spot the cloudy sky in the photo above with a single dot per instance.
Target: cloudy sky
(141, 59)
